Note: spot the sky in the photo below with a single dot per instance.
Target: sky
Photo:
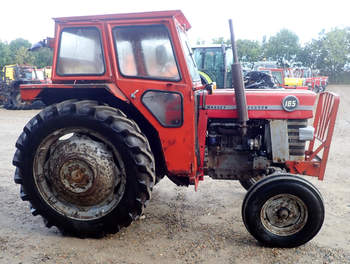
(32, 20)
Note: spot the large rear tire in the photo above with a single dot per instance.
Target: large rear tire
(85, 168)
(283, 211)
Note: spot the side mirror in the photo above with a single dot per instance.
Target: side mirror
(48, 42)
(210, 87)
(37, 46)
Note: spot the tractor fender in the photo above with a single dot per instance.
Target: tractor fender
(53, 93)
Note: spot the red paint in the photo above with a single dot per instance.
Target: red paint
(258, 98)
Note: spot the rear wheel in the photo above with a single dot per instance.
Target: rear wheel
(283, 211)
(18, 103)
(85, 168)
(15, 102)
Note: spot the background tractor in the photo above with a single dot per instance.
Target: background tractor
(127, 108)
(214, 64)
(11, 78)
(312, 78)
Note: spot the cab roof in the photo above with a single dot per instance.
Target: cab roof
(177, 14)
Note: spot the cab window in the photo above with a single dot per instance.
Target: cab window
(145, 52)
(80, 52)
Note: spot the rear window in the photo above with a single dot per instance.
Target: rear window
(80, 52)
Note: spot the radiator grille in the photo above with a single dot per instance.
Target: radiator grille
(296, 147)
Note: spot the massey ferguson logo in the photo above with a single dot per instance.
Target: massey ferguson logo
(290, 103)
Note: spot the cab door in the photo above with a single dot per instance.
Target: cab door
(150, 69)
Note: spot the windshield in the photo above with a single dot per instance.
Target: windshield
(28, 75)
(209, 58)
(191, 64)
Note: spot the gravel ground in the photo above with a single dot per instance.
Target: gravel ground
(179, 225)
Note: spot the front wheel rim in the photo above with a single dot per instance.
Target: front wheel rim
(284, 214)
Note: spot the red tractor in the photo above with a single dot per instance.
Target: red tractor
(127, 108)
(313, 80)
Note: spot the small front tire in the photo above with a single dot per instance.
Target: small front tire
(283, 211)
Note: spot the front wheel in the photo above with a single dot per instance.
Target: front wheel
(85, 168)
(283, 211)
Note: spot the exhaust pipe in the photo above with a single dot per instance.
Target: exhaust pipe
(238, 85)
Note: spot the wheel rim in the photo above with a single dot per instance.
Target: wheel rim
(81, 177)
(284, 214)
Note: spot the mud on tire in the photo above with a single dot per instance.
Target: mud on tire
(85, 168)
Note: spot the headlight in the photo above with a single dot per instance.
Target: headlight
(306, 133)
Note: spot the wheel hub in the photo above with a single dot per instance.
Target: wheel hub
(78, 173)
(284, 214)
(77, 176)
(81, 171)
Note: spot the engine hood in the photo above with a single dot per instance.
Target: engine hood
(262, 104)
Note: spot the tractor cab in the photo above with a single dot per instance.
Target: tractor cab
(140, 61)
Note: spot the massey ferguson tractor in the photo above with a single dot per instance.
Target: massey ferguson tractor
(127, 107)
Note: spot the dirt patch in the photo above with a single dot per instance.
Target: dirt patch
(180, 225)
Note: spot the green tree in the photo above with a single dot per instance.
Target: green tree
(23, 56)
(4, 54)
(16, 52)
(43, 57)
(310, 54)
(17, 48)
(334, 50)
(249, 51)
(283, 47)
(221, 40)
(19, 53)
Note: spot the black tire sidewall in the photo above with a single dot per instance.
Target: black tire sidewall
(246, 184)
(255, 201)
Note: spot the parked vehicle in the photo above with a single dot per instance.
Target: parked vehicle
(314, 81)
(12, 77)
(127, 108)
(214, 64)
(283, 79)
